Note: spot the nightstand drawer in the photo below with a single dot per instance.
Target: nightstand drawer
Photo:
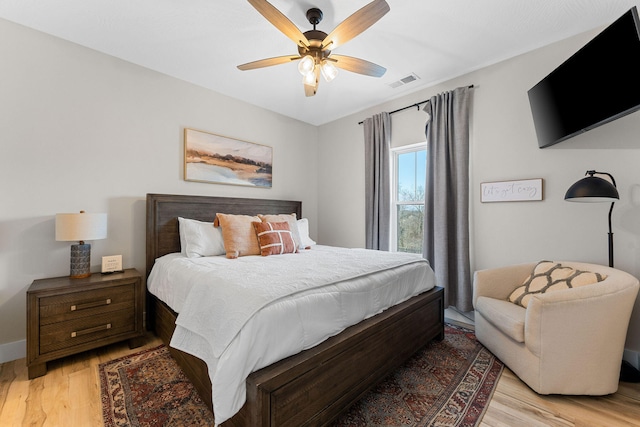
(86, 329)
(77, 305)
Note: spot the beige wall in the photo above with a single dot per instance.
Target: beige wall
(83, 130)
(504, 147)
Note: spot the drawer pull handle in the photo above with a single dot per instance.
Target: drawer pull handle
(90, 304)
(91, 330)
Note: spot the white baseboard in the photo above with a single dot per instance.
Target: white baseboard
(13, 350)
(632, 357)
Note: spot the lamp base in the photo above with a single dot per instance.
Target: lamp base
(80, 261)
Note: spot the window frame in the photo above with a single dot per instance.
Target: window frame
(396, 152)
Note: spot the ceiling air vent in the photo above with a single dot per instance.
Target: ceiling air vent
(405, 80)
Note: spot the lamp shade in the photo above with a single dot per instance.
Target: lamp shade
(81, 226)
(329, 71)
(592, 189)
(306, 65)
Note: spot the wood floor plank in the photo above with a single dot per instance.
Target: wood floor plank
(7, 376)
(85, 398)
(514, 403)
(13, 410)
(34, 414)
(523, 412)
(69, 394)
(55, 398)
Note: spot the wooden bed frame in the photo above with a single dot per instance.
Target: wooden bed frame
(313, 387)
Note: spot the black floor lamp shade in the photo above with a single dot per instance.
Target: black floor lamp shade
(593, 189)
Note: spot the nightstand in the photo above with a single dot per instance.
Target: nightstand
(67, 316)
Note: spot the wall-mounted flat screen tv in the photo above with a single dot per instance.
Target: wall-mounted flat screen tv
(598, 84)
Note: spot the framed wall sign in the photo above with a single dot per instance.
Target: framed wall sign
(511, 191)
(221, 160)
(111, 264)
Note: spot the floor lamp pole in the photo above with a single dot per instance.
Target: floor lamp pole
(613, 181)
(610, 238)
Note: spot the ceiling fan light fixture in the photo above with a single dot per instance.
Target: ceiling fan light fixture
(315, 46)
(329, 71)
(309, 79)
(306, 65)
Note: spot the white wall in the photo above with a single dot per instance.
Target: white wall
(504, 147)
(83, 130)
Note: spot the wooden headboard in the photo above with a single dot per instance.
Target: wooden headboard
(163, 211)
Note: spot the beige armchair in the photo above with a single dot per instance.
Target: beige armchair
(565, 342)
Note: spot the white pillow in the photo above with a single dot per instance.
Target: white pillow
(198, 238)
(303, 229)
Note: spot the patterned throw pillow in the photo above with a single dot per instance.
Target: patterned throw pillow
(290, 219)
(275, 238)
(548, 276)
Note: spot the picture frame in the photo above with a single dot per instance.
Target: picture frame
(512, 191)
(111, 264)
(219, 159)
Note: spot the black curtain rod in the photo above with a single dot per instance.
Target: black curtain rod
(417, 104)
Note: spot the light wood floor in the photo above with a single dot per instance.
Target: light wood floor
(69, 395)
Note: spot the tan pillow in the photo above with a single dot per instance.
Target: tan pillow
(274, 238)
(548, 276)
(238, 234)
(291, 220)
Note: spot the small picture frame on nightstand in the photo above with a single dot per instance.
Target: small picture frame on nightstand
(112, 264)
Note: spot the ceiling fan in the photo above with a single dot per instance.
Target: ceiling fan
(315, 46)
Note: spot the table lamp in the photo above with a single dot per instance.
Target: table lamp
(593, 189)
(80, 227)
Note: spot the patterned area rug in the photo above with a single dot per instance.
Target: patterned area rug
(448, 383)
(148, 389)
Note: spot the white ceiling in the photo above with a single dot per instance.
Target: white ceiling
(202, 42)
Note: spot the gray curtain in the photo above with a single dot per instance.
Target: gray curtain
(377, 143)
(446, 212)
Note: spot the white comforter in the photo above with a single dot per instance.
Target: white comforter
(244, 314)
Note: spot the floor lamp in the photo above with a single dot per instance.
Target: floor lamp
(593, 189)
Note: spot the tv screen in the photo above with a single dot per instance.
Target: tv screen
(598, 84)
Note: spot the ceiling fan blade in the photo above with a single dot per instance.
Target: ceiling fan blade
(355, 24)
(268, 62)
(356, 65)
(280, 21)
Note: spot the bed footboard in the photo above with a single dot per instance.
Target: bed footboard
(313, 387)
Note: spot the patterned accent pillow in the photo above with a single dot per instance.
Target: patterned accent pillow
(238, 234)
(290, 219)
(548, 276)
(275, 238)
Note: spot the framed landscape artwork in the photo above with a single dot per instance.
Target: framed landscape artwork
(221, 160)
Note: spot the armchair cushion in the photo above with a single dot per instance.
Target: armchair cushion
(507, 317)
(548, 276)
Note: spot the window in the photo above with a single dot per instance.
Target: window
(407, 213)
